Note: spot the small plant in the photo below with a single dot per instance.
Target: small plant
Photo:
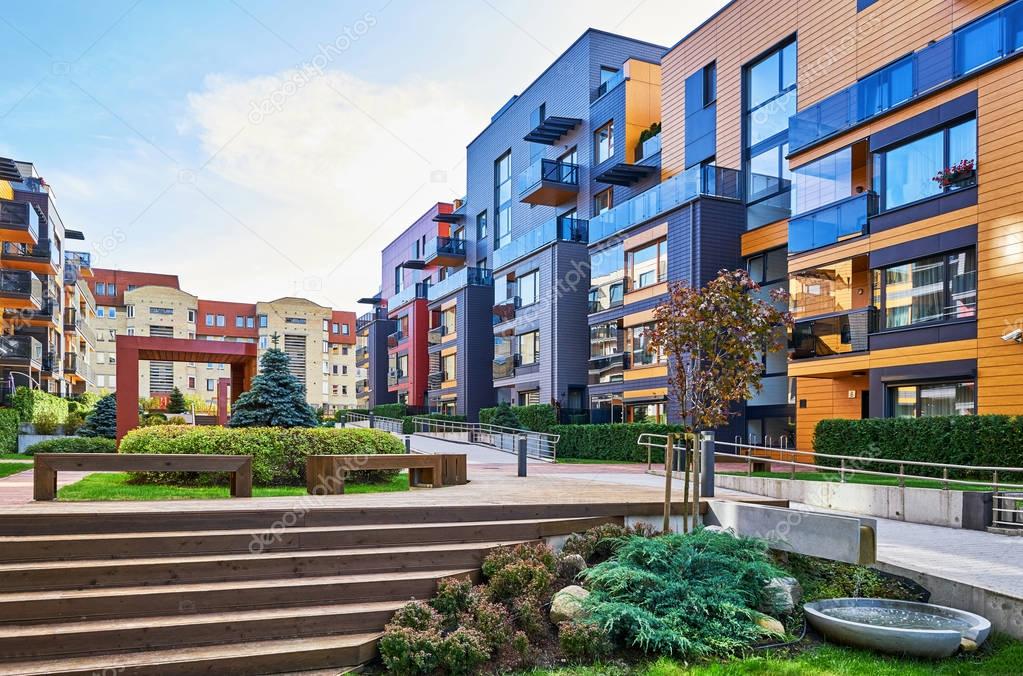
(515, 572)
(453, 597)
(949, 176)
(176, 420)
(176, 402)
(417, 615)
(410, 651)
(582, 642)
(490, 619)
(46, 423)
(598, 544)
(463, 651)
(102, 421)
(529, 616)
(504, 416)
(75, 420)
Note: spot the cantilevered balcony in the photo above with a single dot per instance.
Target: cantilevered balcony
(446, 251)
(361, 386)
(832, 224)
(73, 322)
(19, 222)
(77, 266)
(504, 366)
(396, 377)
(559, 229)
(459, 280)
(20, 290)
(436, 335)
(505, 310)
(833, 334)
(547, 130)
(549, 182)
(78, 368)
(43, 258)
(395, 339)
(407, 295)
(24, 351)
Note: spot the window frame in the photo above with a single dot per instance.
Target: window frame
(526, 338)
(519, 286)
(891, 388)
(609, 126)
(661, 256)
(879, 292)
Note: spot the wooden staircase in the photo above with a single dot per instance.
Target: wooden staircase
(229, 592)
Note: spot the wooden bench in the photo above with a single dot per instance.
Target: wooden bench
(48, 464)
(325, 474)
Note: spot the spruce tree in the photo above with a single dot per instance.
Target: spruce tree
(277, 398)
(176, 402)
(102, 420)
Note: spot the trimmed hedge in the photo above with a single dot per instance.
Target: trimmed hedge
(10, 420)
(391, 410)
(611, 441)
(74, 445)
(536, 417)
(993, 440)
(408, 425)
(278, 454)
(31, 404)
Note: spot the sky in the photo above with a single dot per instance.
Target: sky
(260, 148)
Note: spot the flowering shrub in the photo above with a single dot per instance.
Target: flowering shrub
(957, 172)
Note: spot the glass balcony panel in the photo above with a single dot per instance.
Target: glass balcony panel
(832, 224)
(828, 336)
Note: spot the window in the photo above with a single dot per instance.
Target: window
(211, 384)
(130, 310)
(191, 382)
(239, 322)
(932, 399)
(602, 201)
(250, 322)
(822, 181)
(294, 320)
(101, 380)
(344, 389)
(604, 143)
(482, 263)
(345, 330)
(112, 358)
(100, 311)
(131, 330)
(402, 365)
(210, 320)
(710, 84)
(768, 267)
(447, 320)
(111, 312)
(639, 345)
(932, 289)
(481, 226)
(770, 99)
(152, 310)
(264, 342)
(606, 75)
(132, 287)
(111, 289)
(191, 316)
(101, 288)
(649, 265)
(262, 321)
(529, 398)
(529, 288)
(503, 199)
(529, 348)
(909, 173)
(335, 327)
(221, 321)
(101, 357)
(447, 366)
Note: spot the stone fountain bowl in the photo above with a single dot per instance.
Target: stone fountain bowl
(897, 627)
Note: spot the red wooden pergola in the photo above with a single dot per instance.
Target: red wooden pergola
(132, 349)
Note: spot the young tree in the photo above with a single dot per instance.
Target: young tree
(102, 420)
(176, 402)
(712, 337)
(277, 398)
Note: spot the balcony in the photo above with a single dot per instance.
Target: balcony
(52, 365)
(505, 310)
(446, 251)
(549, 182)
(555, 230)
(436, 335)
(607, 296)
(695, 182)
(407, 295)
(361, 355)
(395, 339)
(42, 258)
(48, 314)
(835, 334)
(457, 215)
(547, 130)
(20, 290)
(78, 368)
(396, 377)
(975, 46)
(609, 84)
(833, 223)
(608, 369)
(504, 366)
(364, 320)
(361, 387)
(436, 379)
(648, 148)
(77, 265)
(73, 321)
(459, 280)
(24, 351)
(19, 222)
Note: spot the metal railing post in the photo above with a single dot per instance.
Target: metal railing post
(408, 443)
(841, 470)
(669, 461)
(372, 419)
(697, 475)
(522, 455)
(707, 460)
(687, 461)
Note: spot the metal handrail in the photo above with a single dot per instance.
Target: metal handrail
(392, 425)
(539, 445)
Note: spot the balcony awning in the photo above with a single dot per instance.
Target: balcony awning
(625, 174)
(551, 129)
(9, 170)
(369, 300)
(449, 218)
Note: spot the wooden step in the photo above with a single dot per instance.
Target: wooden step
(243, 659)
(172, 570)
(14, 549)
(74, 639)
(21, 608)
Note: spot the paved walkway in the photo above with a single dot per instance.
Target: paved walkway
(16, 489)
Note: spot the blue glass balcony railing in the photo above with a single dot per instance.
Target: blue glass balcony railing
(609, 84)
(407, 295)
(550, 171)
(835, 334)
(461, 279)
(692, 183)
(557, 229)
(444, 248)
(648, 148)
(831, 224)
(981, 43)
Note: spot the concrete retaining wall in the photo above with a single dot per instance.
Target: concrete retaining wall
(931, 506)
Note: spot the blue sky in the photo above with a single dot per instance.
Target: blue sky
(262, 149)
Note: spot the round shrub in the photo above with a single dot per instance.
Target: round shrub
(74, 445)
(410, 651)
(417, 615)
(46, 422)
(520, 571)
(74, 422)
(463, 651)
(278, 454)
(582, 642)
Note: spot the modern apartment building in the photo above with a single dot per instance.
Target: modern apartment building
(878, 142)
(320, 341)
(47, 342)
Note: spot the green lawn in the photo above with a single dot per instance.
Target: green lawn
(594, 461)
(861, 479)
(14, 456)
(999, 657)
(115, 486)
(9, 468)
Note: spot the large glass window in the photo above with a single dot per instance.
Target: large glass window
(822, 181)
(529, 288)
(529, 348)
(602, 201)
(604, 143)
(606, 340)
(641, 347)
(936, 288)
(932, 399)
(607, 272)
(927, 166)
(503, 200)
(447, 366)
(649, 265)
(481, 226)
